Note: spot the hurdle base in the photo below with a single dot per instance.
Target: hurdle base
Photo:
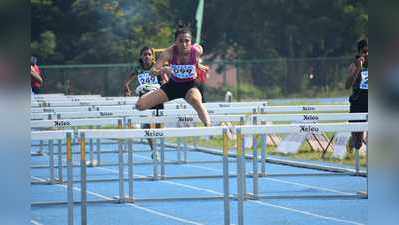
(251, 196)
(364, 194)
(93, 163)
(130, 200)
(119, 200)
(54, 181)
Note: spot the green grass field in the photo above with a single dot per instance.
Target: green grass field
(305, 152)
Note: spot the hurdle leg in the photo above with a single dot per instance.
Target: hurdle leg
(130, 168)
(185, 149)
(357, 161)
(226, 180)
(51, 161)
(155, 159)
(98, 151)
(179, 150)
(255, 167)
(367, 169)
(83, 180)
(91, 163)
(70, 179)
(244, 169)
(59, 147)
(264, 154)
(195, 143)
(41, 147)
(162, 158)
(121, 170)
(244, 163)
(240, 177)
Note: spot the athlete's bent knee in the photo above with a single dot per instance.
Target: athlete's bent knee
(140, 105)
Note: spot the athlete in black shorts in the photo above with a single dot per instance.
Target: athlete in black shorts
(183, 58)
(358, 81)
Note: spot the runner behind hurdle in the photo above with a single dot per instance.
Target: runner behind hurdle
(146, 82)
(358, 80)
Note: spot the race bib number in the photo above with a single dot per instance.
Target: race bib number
(364, 83)
(184, 71)
(147, 78)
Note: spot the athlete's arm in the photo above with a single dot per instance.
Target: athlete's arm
(159, 67)
(36, 75)
(126, 88)
(164, 78)
(198, 49)
(354, 71)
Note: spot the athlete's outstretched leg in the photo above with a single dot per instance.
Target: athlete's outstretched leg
(151, 99)
(194, 98)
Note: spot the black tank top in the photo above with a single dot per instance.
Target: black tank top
(360, 87)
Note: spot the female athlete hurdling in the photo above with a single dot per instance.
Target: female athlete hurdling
(183, 58)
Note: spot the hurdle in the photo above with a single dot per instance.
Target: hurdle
(183, 119)
(127, 134)
(68, 101)
(74, 98)
(218, 119)
(262, 118)
(124, 113)
(84, 103)
(302, 109)
(242, 196)
(302, 118)
(186, 112)
(51, 136)
(92, 107)
(76, 123)
(91, 114)
(294, 128)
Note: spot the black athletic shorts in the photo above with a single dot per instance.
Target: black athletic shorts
(176, 90)
(356, 107)
(36, 90)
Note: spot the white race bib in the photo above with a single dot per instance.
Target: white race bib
(184, 71)
(364, 83)
(146, 78)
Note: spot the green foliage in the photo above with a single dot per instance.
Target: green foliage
(278, 32)
(104, 31)
(46, 46)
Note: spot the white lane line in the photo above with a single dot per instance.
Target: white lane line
(133, 205)
(310, 186)
(262, 203)
(257, 202)
(307, 213)
(284, 181)
(168, 182)
(35, 222)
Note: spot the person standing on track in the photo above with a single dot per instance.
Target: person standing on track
(146, 82)
(183, 58)
(358, 81)
(36, 76)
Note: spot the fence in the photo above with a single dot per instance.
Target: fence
(246, 79)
